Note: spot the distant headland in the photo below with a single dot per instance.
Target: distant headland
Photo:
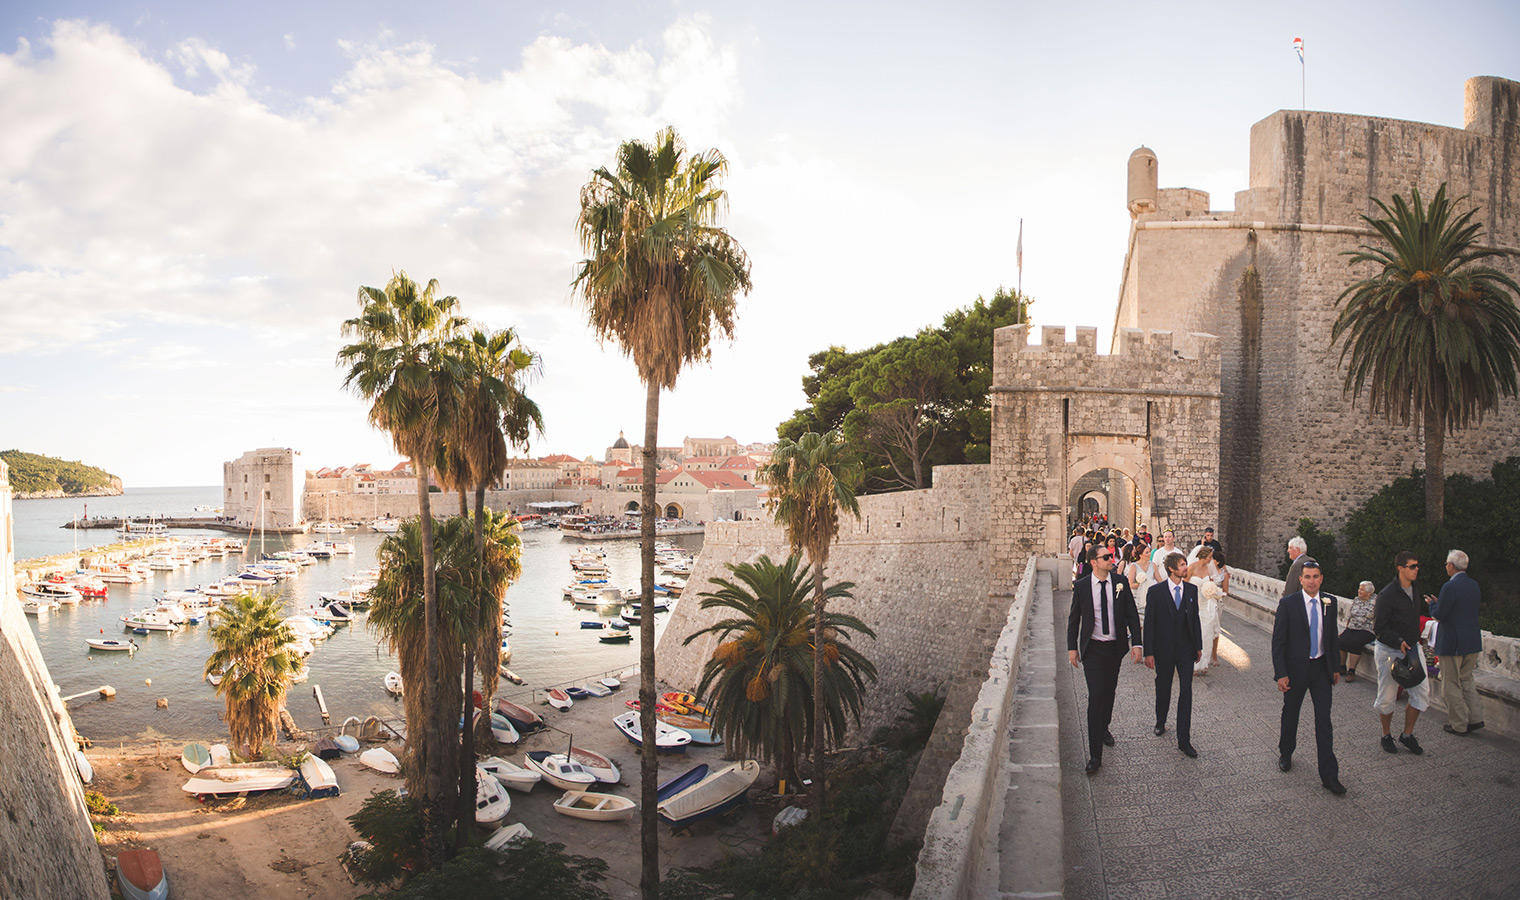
(34, 477)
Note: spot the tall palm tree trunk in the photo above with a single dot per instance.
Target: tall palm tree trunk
(818, 664)
(649, 765)
(436, 810)
(465, 808)
(1435, 465)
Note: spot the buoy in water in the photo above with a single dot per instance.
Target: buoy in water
(148, 682)
(107, 692)
(163, 702)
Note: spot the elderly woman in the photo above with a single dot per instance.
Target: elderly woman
(1358, 633)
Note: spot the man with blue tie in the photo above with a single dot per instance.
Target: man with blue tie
(1173, 643)
(1305, 660)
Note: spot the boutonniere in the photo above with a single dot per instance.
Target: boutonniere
(1326, 599)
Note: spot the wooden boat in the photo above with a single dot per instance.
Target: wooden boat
(616, 637)
(686, 704)
(714, 794)
(526, 720)
(700, 729)
(499, 841)
(600, 767)
(319, 777)
(510, 774)
(238, 778)
(491, 801)
(140, 875)
(393, 683)
(665, 737)
(595, 807)
(195, 757)
(559, 771)
(110, 644)
(560, 700)
(381, 760)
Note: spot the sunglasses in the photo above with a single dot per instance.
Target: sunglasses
(1412, 566)
(1105, 556)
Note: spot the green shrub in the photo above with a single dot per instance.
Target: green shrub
(98, 805)
(392, 824)
(526, 870)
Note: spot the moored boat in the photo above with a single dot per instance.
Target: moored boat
(559, 771)
(716, 792)
(140, 875)
(560, 700)
(510, 774)
(491, 801)
(601, 768)
(111, 644)
(393, 683)
(595, 807)
(700, 729)
(239, 778)
(52, 592)
(525, 719)
(666, 737)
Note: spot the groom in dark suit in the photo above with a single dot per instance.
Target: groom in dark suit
(1305, 659)
(1101, 627)
(1173, 643)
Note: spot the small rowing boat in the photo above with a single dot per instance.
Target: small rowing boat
(594, 807)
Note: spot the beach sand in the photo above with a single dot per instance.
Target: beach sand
(274, 845)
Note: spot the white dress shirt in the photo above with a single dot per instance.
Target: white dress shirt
(1312, 608)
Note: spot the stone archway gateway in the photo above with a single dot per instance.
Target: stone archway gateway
(633, 506)
(1147, 414)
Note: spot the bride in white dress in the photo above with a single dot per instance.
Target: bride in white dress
(1139, 571)
(1203, 572)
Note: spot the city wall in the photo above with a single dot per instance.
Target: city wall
(1265, 278)
(47, 848)
(920, 567)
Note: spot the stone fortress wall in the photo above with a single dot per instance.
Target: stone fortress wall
(1060, 410)
(47, 848)
(1265, 279)
(919, 561)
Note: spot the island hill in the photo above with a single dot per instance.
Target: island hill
(34, 476)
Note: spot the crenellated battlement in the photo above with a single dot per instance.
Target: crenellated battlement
(1140, 359)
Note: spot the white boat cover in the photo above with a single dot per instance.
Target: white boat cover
(712, 790)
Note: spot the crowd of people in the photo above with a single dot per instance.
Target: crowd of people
(1176, 634)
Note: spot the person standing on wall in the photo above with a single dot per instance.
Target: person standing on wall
(1396, 622)
(1459, 641)
(1297, 547)
(1173, 640)
(1209, 541)
(1102, 625)
(1304, 661)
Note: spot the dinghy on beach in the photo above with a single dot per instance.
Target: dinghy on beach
(239, 778)
(594, 807)
(140, 875)
(510, 774)
(381, 760)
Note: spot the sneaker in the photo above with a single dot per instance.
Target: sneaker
(1389, 745)
(1414, 746)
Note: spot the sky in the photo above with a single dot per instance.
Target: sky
(192, 194)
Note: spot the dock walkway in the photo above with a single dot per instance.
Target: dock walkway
(1154, 824)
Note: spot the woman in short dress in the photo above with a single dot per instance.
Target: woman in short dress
(1137, 570)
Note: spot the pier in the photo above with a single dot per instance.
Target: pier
(599, 536)
(207, 522)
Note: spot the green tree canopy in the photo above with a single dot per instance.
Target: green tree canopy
(910, 404)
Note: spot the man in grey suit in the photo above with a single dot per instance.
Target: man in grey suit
(1459, 641)
(1297, 547)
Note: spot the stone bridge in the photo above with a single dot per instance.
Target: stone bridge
(1019, 817)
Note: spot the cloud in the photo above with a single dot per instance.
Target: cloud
(290, 41)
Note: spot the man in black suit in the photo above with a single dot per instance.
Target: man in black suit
(1304, 660)
(1102, 625)
(1173, 643)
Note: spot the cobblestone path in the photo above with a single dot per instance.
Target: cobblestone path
(1154, 824)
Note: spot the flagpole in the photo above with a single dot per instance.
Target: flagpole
(1020, 258)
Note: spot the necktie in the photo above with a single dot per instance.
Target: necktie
(1103, 603)
(1314, 626)
(1177, 596)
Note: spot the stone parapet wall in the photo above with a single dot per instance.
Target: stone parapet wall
(919, 561)
(47, 847)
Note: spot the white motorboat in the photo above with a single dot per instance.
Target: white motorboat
(149, 620)
(491, 801)
(118, 573)
(510, 834)
(510, 774)
(327, 528)
(52, 592)
(666, 737)
(386, 526)
(595, 807)
(238, 778)
(111, 644)
(559, 771)
(503, 730)
(34, 607)
(393, 683)
(381, 760)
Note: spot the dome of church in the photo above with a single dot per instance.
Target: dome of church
(621, 443)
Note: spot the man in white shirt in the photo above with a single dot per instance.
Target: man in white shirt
(1167, 548)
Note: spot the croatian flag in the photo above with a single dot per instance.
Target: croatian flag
(1298, 47)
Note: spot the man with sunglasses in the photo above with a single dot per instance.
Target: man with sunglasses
(1396, 622)
(1103, 624)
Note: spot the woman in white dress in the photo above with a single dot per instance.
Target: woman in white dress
(1138, 571)
(1202, 572)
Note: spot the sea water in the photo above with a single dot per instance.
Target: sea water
(549, 647)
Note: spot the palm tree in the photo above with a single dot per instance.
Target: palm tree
(811, 481)
(1431, 337)
(486, 412)
(254, 653)
(759, 681)
(661, 275)
(400, 337)
(467, 587)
